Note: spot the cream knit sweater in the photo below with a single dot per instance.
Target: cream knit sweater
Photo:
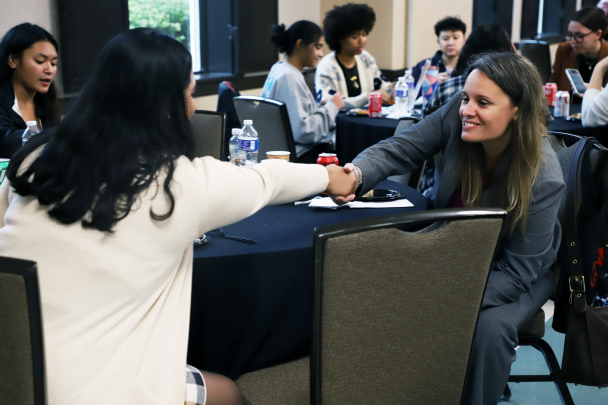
(116, 305)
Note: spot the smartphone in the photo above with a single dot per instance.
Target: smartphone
(576, 80)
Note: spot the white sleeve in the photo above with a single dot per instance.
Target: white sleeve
(595, 107)
(227, 193)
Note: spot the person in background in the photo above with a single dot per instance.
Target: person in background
(350, 69)
(451, 37)
(494, 153)
(485, 38)
(108, 204)
(584, 50)
(28, 64)
(594, 111)
(311, 124)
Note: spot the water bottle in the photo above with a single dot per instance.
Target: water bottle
(411, 86)
(248, 143)
(32, 129)
(401, 92)
(233, 144)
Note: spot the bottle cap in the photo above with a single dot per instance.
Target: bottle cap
(32, 123)
(408, 72)
(248, 122)
(236, 131)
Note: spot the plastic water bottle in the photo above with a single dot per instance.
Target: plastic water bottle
(249, 143)
(411, 86)
(32, 129)
(401, 93)
(233, 144)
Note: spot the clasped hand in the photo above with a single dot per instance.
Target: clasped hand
(342, 183)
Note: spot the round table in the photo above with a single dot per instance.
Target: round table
(252, 304)
(354, 134)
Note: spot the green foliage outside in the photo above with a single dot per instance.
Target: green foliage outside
(169, 16)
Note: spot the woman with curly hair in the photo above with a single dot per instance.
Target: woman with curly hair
(350, 69)
(311, 124)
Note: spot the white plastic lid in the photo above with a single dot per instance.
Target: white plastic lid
(236, 131)
(32, 123)
(248, 122)
(408, 72)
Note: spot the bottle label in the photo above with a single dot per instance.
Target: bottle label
(399, 93)
(411, 85)
(248, 144)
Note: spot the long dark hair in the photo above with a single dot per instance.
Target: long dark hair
(485, 38)
(129, 122)
(285, 40)
(519, 164)
(15, 42)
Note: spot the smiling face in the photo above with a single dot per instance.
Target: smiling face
(354, 43)
(313, 53)
(589, 43)
(36, 68)
(451, 42)
(486, 112)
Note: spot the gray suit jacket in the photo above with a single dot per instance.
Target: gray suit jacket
(520, 261)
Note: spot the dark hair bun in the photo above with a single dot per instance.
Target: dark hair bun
(280, 37)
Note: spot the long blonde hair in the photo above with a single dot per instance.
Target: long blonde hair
(517, 169)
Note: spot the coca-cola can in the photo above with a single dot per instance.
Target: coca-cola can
(562, 104)
(375, 105)
(550, 92)
(326, 159)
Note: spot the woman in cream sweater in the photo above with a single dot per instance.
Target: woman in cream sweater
(108, 205)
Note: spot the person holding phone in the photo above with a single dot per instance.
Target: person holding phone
(584, 50)
(595, 103)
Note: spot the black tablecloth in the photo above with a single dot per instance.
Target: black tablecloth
(252, 304)
(355, 134)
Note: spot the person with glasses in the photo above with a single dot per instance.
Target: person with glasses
(584, 49)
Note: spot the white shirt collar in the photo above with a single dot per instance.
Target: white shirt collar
(16, 107)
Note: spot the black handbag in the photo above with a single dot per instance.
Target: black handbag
(582, 260)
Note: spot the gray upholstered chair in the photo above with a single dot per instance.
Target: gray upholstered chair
(22, 369)
(380, 286)
(539, 54)
(532, 333)
(270, 120)
(211, 136)
(412, 178)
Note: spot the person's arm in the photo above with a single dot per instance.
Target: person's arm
(10, 137)
(521, 258)
(594, 111)
(558, 69)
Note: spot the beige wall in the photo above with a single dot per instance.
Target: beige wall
(424, 14)
(291, 11)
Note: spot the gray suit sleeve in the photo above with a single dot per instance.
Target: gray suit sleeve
(408, 149)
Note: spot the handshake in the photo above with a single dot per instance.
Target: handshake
(342, 183)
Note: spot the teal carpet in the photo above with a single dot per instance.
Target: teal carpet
(531, 361)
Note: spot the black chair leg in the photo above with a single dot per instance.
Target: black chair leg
(556, 373)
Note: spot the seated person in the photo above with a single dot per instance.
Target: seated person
(584, 50)
(28, 63)
(594, 112)
(485, 38)
(108, 204)
(451, 37)
(310, 123)
(350, 69)
(494, 153)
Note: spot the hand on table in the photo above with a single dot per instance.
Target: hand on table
(342, 184)
(338, 100)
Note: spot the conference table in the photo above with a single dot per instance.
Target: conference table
(354, 134)
(252, 304)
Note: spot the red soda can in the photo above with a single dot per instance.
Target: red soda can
(550, 92)
(326, 159)
(375, 105)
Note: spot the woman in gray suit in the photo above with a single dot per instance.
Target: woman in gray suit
(495, 153)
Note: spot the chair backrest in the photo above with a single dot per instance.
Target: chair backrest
(412, 178)
(225, 93)
(397, 300)
(271, 121)
(309, 78)
(210, 130)
(539, 54)
(22, 369)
